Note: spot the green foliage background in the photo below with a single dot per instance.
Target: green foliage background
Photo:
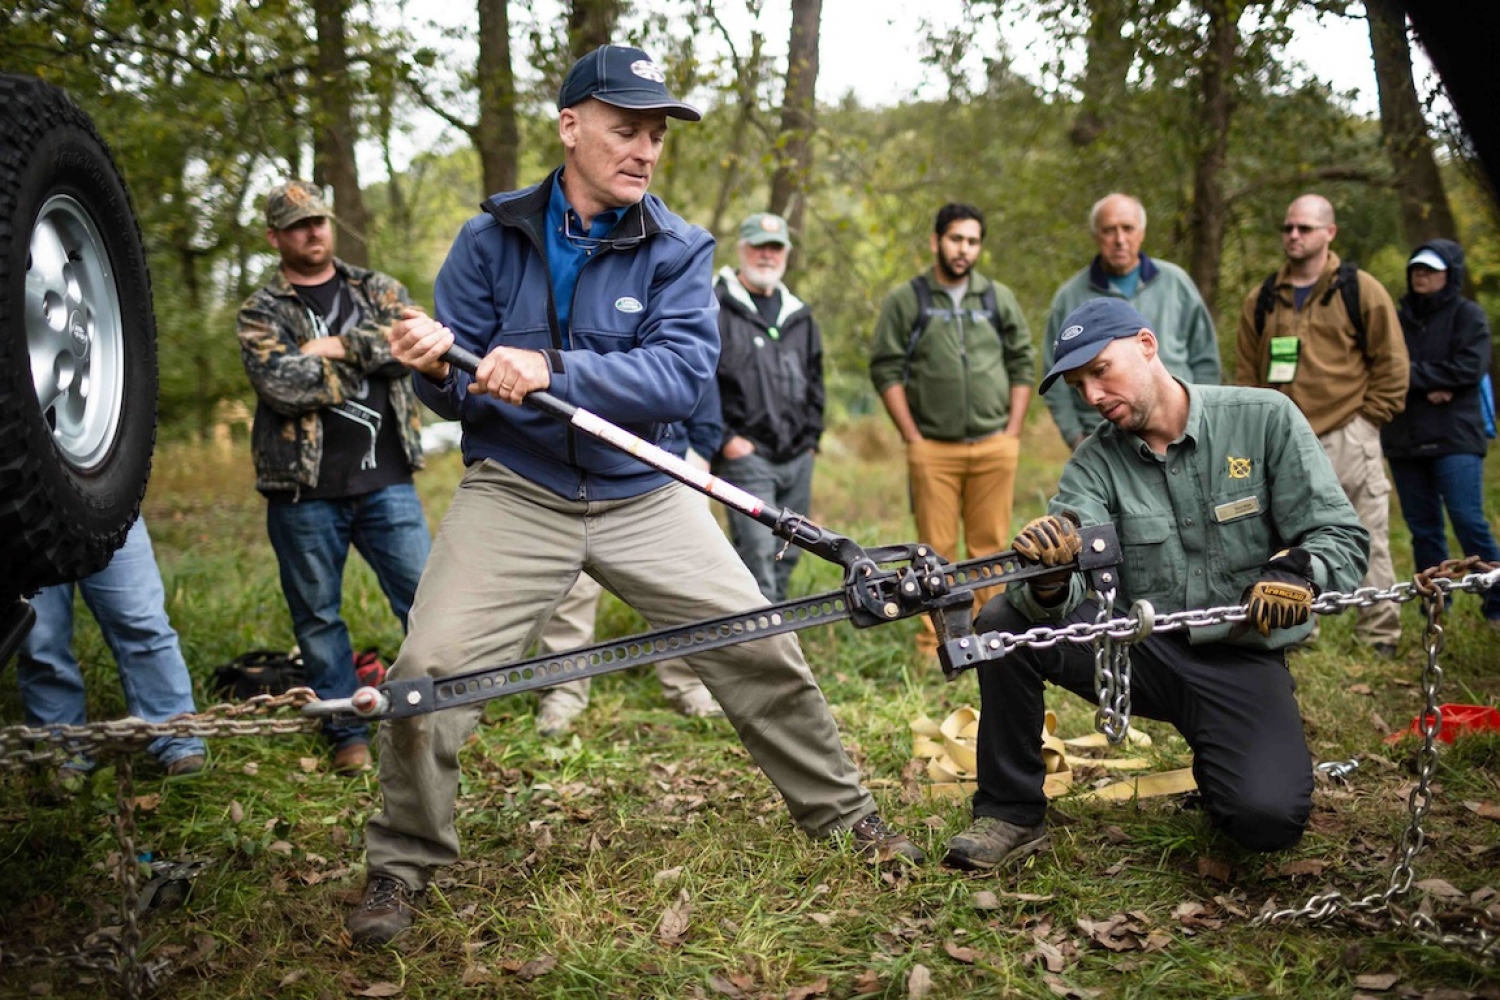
(205, 105)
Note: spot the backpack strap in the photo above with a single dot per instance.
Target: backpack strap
(1264, 303)
(925, 311)
(1346, 281)
(992, 308)
(924, 316)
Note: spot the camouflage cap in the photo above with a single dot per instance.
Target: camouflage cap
(290, 203)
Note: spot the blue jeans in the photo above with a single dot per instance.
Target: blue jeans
(785, 484)
(1428, 485)
(129, 603)
(312, 539)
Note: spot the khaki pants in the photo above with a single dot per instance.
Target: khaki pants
(506, 554)
(963, 482)
(1354, 450)
(572, 625)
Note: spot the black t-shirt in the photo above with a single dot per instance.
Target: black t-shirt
(769, 307)
(362, 449)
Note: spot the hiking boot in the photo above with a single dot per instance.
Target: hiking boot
(991, 842)
(386, 909)
(554, 716)
(876, 840)
(352, 759)
(191, 764)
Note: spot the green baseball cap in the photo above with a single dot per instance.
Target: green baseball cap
(763, 228)
(290, 203)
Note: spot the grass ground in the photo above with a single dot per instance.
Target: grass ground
(645, 856)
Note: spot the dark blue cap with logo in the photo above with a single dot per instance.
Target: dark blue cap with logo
(1088, 330)
(625, 77)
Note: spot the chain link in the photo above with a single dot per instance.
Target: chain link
(22, 747)
(1432, 587)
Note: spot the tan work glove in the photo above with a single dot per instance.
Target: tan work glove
(1049, 540)
(1283, 596)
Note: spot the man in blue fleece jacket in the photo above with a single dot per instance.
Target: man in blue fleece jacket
(591, 289)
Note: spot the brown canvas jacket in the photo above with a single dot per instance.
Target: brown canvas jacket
(1335, 381)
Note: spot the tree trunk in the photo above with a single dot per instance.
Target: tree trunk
(497, 138)
(1425, 214)
(1110, 54)
(1206, 217)
(591, 23)
(334, 133)
(798, 115)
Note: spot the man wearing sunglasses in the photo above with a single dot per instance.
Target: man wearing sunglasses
(1327, 335)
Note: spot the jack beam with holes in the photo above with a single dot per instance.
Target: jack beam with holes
(881, 585)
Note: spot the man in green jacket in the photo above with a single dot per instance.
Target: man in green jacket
(1158, 290)
(1219, 496)
(953, 364)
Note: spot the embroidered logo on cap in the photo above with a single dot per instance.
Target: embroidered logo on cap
(628, 305)
(1070, 333)
(647, 70)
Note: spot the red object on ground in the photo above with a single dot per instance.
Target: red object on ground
(1457, 720)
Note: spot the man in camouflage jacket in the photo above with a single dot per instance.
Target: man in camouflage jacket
(335, 441)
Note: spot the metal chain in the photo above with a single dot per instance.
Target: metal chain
(1111, 678)
(1432, 586)
(22, 746)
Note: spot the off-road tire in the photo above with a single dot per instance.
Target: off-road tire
(78, 380)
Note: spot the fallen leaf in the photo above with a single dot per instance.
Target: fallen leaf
(867, 982)
(536, 968)
(379, 990)
(1115, 835)
(918, 983)
(1360, 689)
(1377, 981)
(1484, 810)
(671, 874)
(1439, 888)
(816, 988)
(959, 953)
(279, 847)
(236, 812)
(309, 765)
(148, 803)
(1305, 866)
(291, 977)
(984, 900)
(673, 926)
(1214, 868)
(1051, 958)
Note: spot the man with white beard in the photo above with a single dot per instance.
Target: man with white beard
(771, 390)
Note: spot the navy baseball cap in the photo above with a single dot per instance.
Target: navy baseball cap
(625, 77)
(1088, 330)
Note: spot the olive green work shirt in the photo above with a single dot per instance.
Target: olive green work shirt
(1246, 479)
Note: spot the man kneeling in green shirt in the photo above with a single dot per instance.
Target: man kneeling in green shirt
(1220, 496)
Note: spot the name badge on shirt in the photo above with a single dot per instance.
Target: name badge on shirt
(1236, 509)
(1284, 353)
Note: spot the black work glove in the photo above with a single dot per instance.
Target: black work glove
(1283, 596)
(1049, 541)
